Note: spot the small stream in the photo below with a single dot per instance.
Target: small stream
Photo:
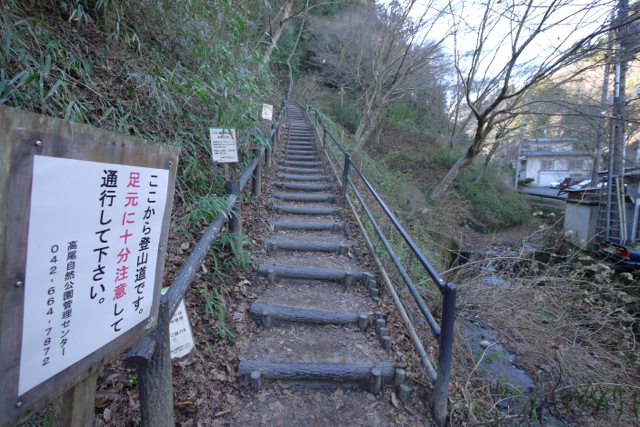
(507, 380)
(498, 367)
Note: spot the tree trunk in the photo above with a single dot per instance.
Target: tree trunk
(286, 12)
(365, 128)
(293, 51)
(492, 152)
(465, 161)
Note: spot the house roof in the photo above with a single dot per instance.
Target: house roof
(551, 139)
(556, 153)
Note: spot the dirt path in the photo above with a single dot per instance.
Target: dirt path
(321, 361)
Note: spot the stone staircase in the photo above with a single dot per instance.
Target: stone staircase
(319, 310)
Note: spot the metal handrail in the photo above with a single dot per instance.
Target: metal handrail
(444, 333)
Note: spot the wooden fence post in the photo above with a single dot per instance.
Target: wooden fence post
(75, 408)
(155, 380)
(235, 219)
(268, 150)
(256, 187)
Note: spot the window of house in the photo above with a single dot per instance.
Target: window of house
(546, 165)
(577, 164)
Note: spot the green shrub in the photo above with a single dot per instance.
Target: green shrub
(525, 182)
(160, 70)
(495, 204)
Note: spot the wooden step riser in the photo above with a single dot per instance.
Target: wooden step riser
(300, 170)
(316, 371)
(299, 142)
(301, 315)
(306, 226)
(296, 152)
(303, 177)
(274, 272)
(303, 187)
(302, 164)
(306, 198)
(299, 158)
(301, 210)
(292, 245)
(300, 145)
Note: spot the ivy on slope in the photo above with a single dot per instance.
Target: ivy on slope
(165, 71)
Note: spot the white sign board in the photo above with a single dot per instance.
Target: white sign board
(180, 333)
(91, 259)
(267, 111)
(223, 145)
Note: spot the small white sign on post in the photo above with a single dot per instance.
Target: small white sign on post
(180, 332)
(267, 112)
(223, 145)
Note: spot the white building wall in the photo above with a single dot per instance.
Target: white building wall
(560, 169)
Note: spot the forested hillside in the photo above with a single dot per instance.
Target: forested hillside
(166, 71)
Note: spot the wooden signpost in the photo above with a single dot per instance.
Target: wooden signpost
(85, 216)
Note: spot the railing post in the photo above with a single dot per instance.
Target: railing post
(267, 152)
(235, 219)
(345, 174)
(275, 129)
(444, 356)
(155, 381)
(324, 137)
(256, 187)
